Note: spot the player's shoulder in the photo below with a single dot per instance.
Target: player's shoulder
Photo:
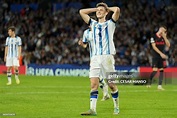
(7, 38)
(17, 37)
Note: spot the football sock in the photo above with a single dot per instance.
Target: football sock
(115, 98)
(101, 83)
(93, 99)
(16, 74)
(9, 74)
(151, 77)
(104, 87)
(160, 77)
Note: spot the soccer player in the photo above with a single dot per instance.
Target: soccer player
(158, 42)
(87, 39)
(12, 54)
(102, 60)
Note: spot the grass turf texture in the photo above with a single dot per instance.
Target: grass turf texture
(67, 97)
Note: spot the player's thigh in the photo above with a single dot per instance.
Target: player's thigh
(108, 64)
(94, 67)
(15, 62)
(160, 63)
(155, 62)
(9, 62)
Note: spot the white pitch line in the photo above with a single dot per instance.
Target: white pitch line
(27, 87)
(75, 92)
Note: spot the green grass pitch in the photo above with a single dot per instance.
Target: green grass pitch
(67, 97)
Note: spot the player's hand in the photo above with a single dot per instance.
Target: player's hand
(164, 34)
(163, 56)
(80, 42)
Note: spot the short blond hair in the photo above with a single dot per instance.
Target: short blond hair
(103, 5)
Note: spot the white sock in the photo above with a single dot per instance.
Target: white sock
(93, 100)
(16, 76)
(105, 87)
(105, 90)
(115, 98)
(9, 76)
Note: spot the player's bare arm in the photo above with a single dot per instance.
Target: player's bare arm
(84, 13)
(158, 51)
(5, 54)
(19, 51)
(116, 12)
(164, 35)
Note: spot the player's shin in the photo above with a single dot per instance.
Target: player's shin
(9, 74)
(160, 77)
(16, 74)
(151, 77)
(93, 99)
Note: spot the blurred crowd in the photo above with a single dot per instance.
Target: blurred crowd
(50, 36)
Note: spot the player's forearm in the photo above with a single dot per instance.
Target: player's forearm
(116, 12)
(84, 13)
(114, 9)
(5, 53)
(19, 51)
(87, 10)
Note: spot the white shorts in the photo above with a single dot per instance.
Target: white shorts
(100, 65)
(12, 62)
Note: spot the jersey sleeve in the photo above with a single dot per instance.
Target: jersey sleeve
(7, 40)
(19, 41)
(85, 39)
(152, 40)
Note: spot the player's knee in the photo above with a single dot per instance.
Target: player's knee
(9, 69)
(113, 87)
(161, 70)
(155, 69)
(94, 86)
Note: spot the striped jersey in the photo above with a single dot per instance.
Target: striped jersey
(103, 37)
(88, 38)
(13, 44)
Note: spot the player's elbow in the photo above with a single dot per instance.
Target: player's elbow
(81, 12)
(168, 45)
(117, 10)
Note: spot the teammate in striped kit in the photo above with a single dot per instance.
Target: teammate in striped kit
(87, 39)
(102, 60)
(12, 54)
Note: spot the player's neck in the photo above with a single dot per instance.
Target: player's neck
(13, 36)
(101, 20)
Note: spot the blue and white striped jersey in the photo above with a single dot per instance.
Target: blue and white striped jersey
(88, 38)
(13, 44)
(103, 37)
